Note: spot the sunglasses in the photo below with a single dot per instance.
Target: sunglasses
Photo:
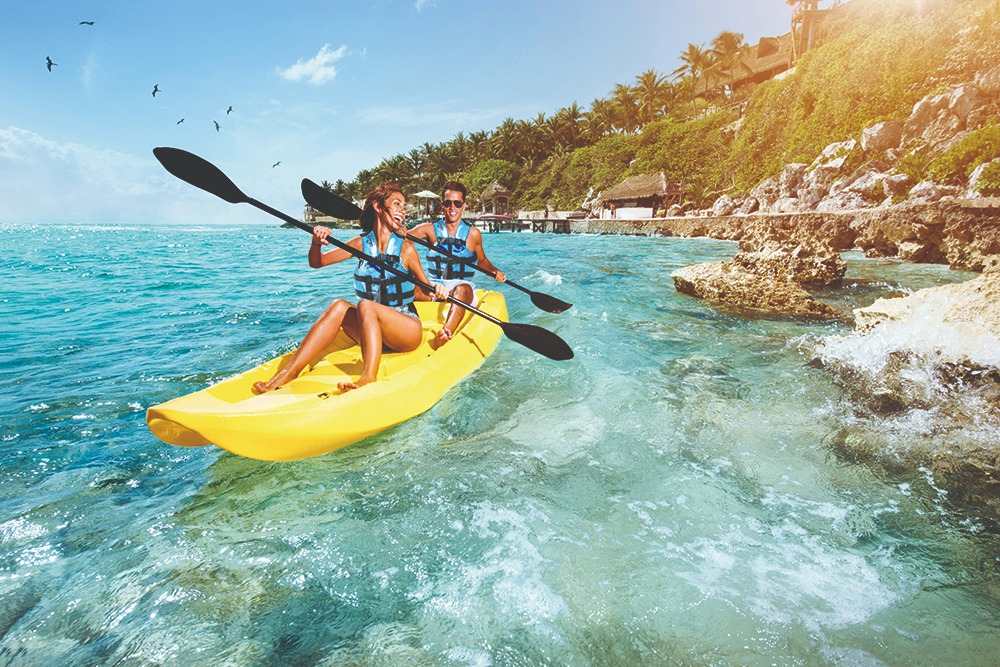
(448, 203)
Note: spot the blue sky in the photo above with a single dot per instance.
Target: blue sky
(326, 87)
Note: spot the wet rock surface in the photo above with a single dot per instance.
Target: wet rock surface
(923, 375)
(730, 287)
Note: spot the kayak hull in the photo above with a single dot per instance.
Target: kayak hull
(310, 416)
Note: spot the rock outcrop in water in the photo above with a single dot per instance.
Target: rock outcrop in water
(924, 374)
(732, 288)
(766, 278)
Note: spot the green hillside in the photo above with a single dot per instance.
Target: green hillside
(881, 57)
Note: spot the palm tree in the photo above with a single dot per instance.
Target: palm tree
(503, 141)
(728, 48)
(600, 119)
(480, 144)
(626, 109)
(694, 61)
(652, 92)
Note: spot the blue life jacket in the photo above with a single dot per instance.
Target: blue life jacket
(377, 284)
(441, 266)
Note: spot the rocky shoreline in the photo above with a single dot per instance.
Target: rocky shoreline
(921, 372)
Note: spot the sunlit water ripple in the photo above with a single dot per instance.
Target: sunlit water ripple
(666, 497)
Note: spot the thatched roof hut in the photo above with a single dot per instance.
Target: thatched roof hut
(495, 198)
(642, 187)
(494, 191)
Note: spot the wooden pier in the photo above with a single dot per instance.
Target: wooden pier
(553, 225)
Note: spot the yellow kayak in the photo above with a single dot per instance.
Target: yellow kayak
(310, 416)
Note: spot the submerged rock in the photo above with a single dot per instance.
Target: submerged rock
(731, 287)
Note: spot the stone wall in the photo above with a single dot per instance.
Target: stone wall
(961, 234)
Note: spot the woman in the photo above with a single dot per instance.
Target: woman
(384, 314)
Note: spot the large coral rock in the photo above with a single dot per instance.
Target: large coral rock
(730, 287)
(749, 205)
(924, 375)
(897, 185)
(975, 179)
(936, 120)
(766, 193)
(724, 205)
(829, 164)
(881, 137)
(870, 186)
(805, 263)
(842, 201)
(928, 192)
(790, 179)
(989, 82)
(970, 309)
(786, 205)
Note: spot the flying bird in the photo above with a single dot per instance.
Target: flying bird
(275, 164)
(179, 122)
(216, 125)
(49, 64)
(86, 23)
(229, 109)
(156, 89)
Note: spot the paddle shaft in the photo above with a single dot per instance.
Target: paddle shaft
(371, 260)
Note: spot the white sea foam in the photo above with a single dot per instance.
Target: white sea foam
(550, 279)
(926, 337)
(503, 587)
(38, 407)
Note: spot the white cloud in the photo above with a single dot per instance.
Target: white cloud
(420, 4)
(43, 180)
(317, 70)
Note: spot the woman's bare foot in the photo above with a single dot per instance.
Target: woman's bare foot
(360, 382)
(276, 382)
(441, 338)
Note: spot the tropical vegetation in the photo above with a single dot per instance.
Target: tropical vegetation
(880, 57)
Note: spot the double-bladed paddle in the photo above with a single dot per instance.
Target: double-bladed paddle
(334, 205)
(206, 176)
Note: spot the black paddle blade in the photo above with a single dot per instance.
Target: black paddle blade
(332, 204)
(549, 303)
(200, 173)
(542, 341)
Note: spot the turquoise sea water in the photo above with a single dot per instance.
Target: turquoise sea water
(668, 497)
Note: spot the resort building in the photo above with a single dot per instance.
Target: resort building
(771, 56)
(640, 197)
(495, 199)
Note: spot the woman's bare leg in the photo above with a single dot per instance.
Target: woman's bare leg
(381, 325)
(322, 333)
(464, 293)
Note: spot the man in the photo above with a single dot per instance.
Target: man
(461, 239)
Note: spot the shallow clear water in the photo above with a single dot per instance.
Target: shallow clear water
(665, 498)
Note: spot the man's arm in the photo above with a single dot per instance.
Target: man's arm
(475, 244)
(425, 231)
